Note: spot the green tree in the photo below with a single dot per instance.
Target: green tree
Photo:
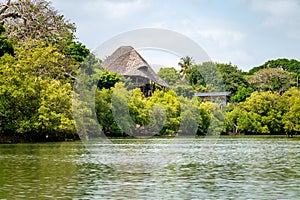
(195, 79)
(232, 77)
(170, 103)
(290, 65)
(212, 119)
(34, 93)
(139, 108)
(204, 77)
(54, 114)
(272, 79)
(242, 94)
(5, 44)
(291, 117)
(268, 106)
(75, 50)
(260, 113)
(169, 75)
(208, 76)
(184, 90)
(240, 120)
(120, 108)
(199, 118)
(108, 79)
(189, 115)
(103, 107)
(185, 63)
(35, 20)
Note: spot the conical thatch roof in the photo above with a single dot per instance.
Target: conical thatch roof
(126, 61)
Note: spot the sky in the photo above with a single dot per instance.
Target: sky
(245, 33)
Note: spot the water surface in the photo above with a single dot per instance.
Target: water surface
(231, 168)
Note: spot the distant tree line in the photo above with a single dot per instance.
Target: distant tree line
(263, 100)
(40, 60)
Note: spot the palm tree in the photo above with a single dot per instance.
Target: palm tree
(185, 63)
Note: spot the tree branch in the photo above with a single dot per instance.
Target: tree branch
(5, 7)
(9, 15)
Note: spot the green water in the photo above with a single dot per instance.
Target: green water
(228, 168)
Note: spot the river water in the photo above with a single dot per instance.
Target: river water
(224, 168)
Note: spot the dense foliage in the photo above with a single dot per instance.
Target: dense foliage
(38, 65)
(272, 79)
(121, 112)
(6, 45)
(291, 65)
(40, 61)
(170, 75)
(266, 112)
(263, 101)
(34, 92)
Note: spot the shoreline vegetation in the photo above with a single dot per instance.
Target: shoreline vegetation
(40, 63)
(17, 139)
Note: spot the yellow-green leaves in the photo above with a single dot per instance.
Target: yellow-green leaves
(54, 113)
(121, 112)
(266, 112)
(291, 117)
(35, 95)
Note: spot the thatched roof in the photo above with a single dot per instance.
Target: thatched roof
(126, 61)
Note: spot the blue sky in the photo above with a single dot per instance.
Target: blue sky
(246, 33)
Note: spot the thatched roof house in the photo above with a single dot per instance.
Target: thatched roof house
(126, 61)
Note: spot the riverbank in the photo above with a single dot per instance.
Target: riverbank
(41, 138)
(35, 138)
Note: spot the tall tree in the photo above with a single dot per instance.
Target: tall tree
(272, 79)
(170, 75)
(205, 76)
(290, 65)
(185, 63)
(291, 118)
(35, 20)
(233, 77)
(242, 94)
(260, 113)
(169, 102)
(194, 77)
(108, 79)
(35, 96)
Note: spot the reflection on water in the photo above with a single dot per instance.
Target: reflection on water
(232, 168)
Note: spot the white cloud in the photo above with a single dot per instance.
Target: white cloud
(223, 40)
(277, 7)
(216, 32)
(116, 9)
(278, 11)
(250, 35)
(222, 36)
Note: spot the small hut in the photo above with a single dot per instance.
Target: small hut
(127, 62)
(217, 97)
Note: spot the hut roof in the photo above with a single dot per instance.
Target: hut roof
(126, 61)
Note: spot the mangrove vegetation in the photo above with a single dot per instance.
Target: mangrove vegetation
(40, 58)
